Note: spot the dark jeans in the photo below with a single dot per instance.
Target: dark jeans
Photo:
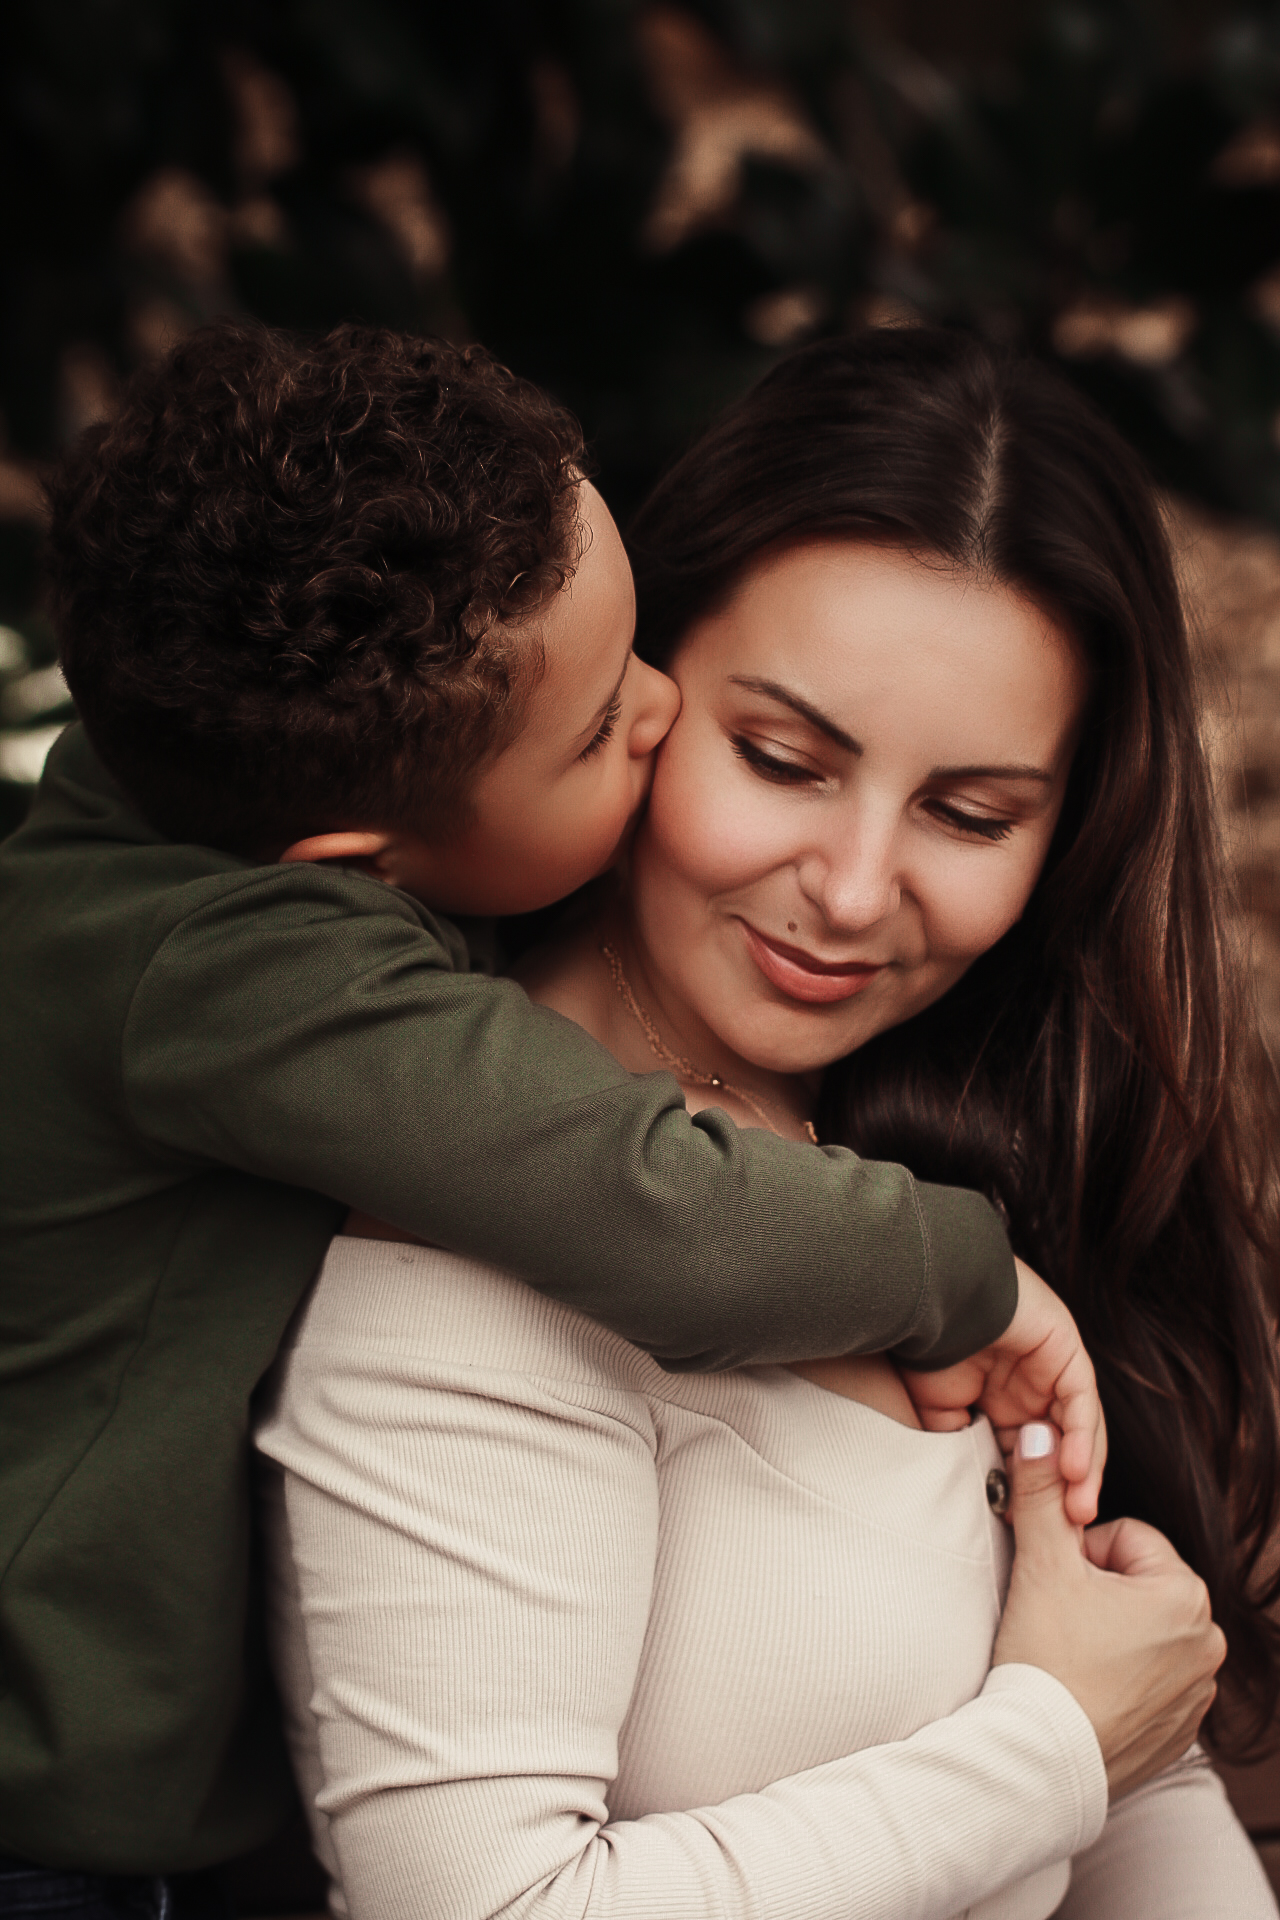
(28, 1892)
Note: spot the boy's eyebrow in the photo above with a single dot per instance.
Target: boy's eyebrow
(814, 715)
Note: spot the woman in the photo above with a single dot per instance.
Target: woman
(562, 1633)
(1097, 1072)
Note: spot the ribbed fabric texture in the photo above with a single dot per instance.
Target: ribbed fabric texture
(1173, 1850)
(563, 1634)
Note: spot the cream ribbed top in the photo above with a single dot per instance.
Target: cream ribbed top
(563, 1634)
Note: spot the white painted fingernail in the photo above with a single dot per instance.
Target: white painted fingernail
(1035, 1442)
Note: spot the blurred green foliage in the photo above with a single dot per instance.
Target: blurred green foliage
(639, 206)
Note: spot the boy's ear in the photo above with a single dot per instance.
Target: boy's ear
(366, 850)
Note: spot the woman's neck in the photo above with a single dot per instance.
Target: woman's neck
(606, 976)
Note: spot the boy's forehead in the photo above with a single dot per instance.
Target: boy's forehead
(588, 628)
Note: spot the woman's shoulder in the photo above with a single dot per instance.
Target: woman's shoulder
(418, 1313)
(565, 974)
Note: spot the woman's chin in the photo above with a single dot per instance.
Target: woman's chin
(795, 1044)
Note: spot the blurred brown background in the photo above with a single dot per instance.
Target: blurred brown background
(641, 205)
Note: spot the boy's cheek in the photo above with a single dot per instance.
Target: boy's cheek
(639, 780)
(580, 838)
(620, 812)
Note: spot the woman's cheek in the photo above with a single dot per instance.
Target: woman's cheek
(715, 821)
(976, 906)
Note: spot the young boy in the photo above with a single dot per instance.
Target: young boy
(337, 617)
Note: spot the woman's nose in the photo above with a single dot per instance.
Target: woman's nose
(854, 876)
(657, 702)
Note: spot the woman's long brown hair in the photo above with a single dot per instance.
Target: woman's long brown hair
(1098, 1072)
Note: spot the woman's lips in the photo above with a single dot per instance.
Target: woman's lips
(800, 976)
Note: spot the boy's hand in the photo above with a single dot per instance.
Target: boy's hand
(1037, 1369)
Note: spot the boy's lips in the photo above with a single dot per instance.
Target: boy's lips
(802, 977)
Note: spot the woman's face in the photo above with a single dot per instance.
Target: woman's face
(854, 803)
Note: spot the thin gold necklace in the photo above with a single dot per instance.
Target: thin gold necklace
(682, 1068)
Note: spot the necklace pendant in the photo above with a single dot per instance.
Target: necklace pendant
(685, 1069)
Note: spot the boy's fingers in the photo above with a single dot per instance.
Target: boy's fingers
(943, 1419)
(1083, 1456)
(949, 1388)
(1081, 1500)
(1075, 1454)
(1079, 1413)
(942, 1400)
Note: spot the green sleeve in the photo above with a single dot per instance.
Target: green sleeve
(315, 1028)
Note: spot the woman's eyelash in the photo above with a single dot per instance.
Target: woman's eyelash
(604, 732)
(791, 773)
(785, 772)
(977, 823)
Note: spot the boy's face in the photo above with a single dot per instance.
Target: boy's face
(549, 813)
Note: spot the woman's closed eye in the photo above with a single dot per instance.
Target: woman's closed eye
(985, 826)
(772, 766)
(796, 773)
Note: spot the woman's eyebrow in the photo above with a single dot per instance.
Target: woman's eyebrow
(1013, 772)
(785, 698)
(773, 690)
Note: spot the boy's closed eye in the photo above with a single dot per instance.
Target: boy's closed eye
(604, 732)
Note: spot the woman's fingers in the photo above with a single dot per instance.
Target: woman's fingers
(1131, 1547)
(1037, 1506)
(1114, 1615)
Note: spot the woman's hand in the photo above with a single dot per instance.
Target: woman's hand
(1114, 1615)
(1037, 1370)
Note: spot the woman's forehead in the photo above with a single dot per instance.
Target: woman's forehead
(865, 632)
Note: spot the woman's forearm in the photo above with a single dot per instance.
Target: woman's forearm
(1004, 1789)
(475, 1557)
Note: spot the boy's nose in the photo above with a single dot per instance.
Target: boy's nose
(657, 704)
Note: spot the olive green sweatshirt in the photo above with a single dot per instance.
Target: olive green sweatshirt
(205, 1063)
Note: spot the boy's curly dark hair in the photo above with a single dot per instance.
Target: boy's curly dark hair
(289, 579)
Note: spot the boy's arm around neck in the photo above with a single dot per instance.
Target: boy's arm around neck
(310, 1027)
